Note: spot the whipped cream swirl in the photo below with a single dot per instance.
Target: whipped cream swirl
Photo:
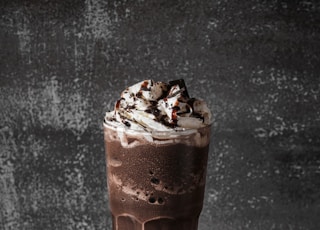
(159, 106)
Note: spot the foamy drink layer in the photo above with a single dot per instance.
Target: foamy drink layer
(156, 185)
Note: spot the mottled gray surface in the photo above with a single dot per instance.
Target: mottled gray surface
(256, 62)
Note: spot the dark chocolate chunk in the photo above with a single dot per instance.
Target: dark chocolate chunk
(155, 180)
(152, 200)
(127, 123)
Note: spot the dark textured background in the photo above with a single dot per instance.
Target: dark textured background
(256, 62)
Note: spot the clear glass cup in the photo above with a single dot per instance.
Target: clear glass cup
(156, 180)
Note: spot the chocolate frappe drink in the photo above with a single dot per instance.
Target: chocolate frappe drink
(157, 140)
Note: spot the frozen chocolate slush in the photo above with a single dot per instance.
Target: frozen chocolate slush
(157, 140)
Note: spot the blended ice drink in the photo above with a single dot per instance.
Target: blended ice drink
(157, 140)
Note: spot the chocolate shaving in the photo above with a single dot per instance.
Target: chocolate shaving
(191, 102)
(139, 94)
(144, 86)
(177, 108)
(199, 116)
(181, 84)
(176, 93)
(153, 110)
(117, 105)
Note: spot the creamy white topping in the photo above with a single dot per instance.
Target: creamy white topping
(159, 106)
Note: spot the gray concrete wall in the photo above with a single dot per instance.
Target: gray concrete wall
(256, 62)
